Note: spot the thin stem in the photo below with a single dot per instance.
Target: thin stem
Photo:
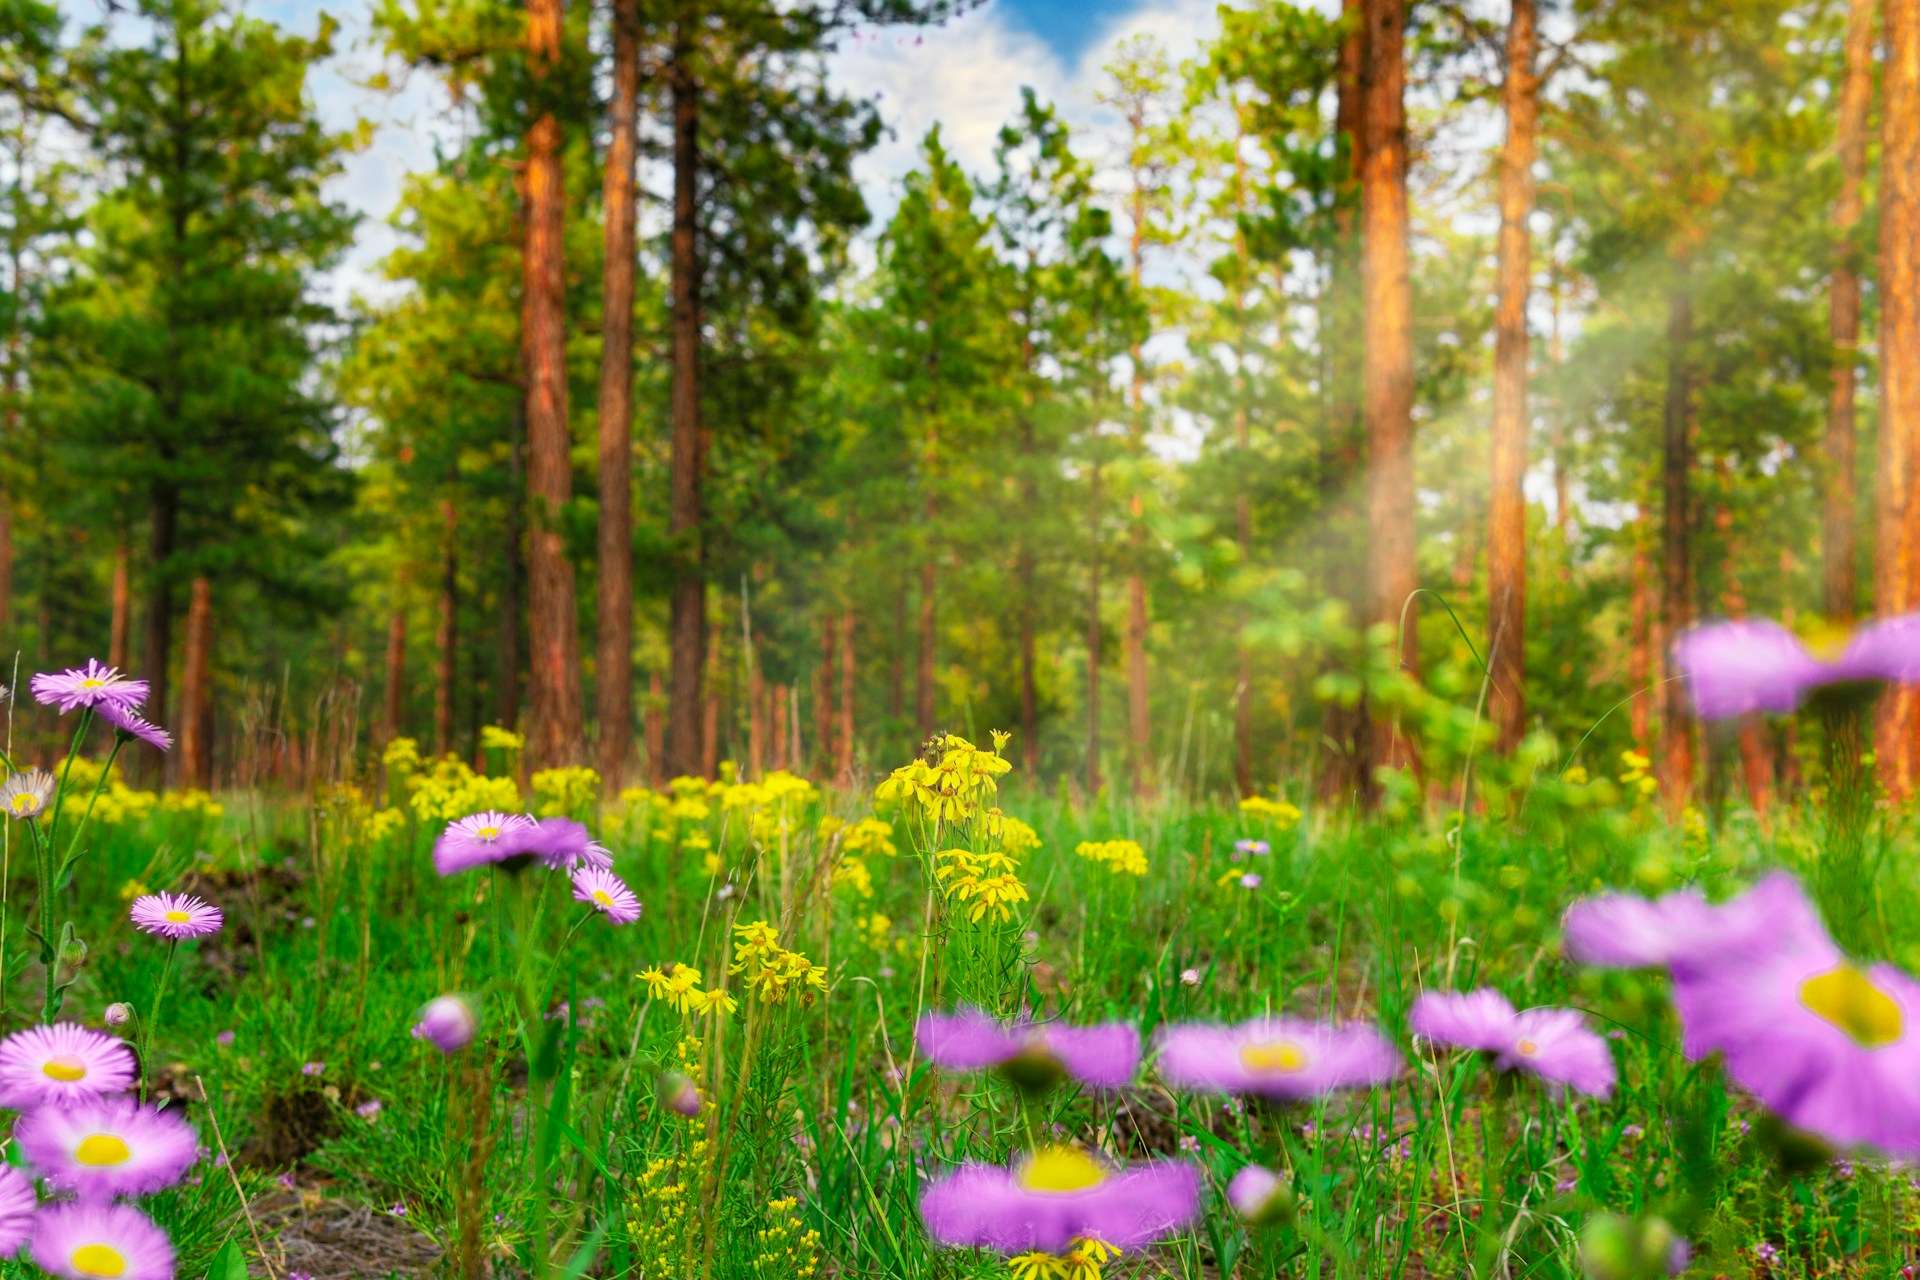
(73, 845)
(150, 1024)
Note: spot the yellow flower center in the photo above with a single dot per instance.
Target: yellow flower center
(102, 1149)
(1848, 999)
(65, 1067)
(1274, 1055)
(1527, 1047)
(488, 833)
(1061, 1170)
(98, 1260)
(601, 898)
(25, 802)
(93, 682)
(179, 917)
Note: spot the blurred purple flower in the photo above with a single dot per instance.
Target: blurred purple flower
(1104, 1055)
(1733, 668)
(1553, 1044)
(1280, 1059)
(1056, 1195)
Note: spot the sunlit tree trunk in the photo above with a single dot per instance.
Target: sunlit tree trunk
(195, 759)
(1676, 541)
(446, 639)
(823, 699)
(1387, 380)
(553, 625)
(710, 717)
(1640, 641)
(687, 625)
(756, 718)
(1507, 508)
(506, 674)
(779, 741)
(1839, 541)
(1898, 514)
(613, 655)
(120, 626)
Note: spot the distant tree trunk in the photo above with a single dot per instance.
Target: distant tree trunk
(1839, 541)
(1387, 381)
(613, 654)
(1676, 576)
(1345, 730)
(553, 624)
(391, 725)
(120, 629)
(656, 733)
(506, 678)
(843, 738)
(447, 638)
(688, 622)
(823, 700)
(778, 754)
(756, 719)
(1093, 646)
(156, 647)
(1640, 643)
(710, 717)
(1507, 509)
(1897, 554)
(196, 707)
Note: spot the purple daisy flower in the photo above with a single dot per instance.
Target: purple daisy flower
(448, 1023)
(1057, 1195)
(135, 725)
(1032, 1056)
(88, 1241)
(1253, 848)
(1553, 1044)
(1281, 1059)
(1733, 668)
(1260, 1196)
(17, 1203)
(175, 916)
(481, 838)
(603, 890)
(107, 1147)
(61, 1065)
(94, 685)
(563, 844)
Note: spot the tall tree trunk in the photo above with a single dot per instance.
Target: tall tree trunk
(688, 622)
(613, 654)
(655, 728)
(1387, 380)
(823, 700)
(779, 753)
(1507, 507)
(756, 718)
(448, 636)
(1640, 640)
(506, 677)
(1346, 730)
(1093, 644)
(710, 716)
(120, 628)
(1897, 555)
(843, 738)
(1676, 576)
(553, 622)
(157, 644)
(391, 723)
(195, 759)
(1839, 542)
(1756, 762)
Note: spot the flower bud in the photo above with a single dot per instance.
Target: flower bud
(118, 1014)
(447, 1023)
(679, 1094)
(1260, 1196)
(1613, 1247)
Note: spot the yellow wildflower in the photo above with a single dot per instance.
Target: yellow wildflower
(1122, 857)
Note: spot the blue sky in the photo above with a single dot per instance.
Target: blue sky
(1068, 26)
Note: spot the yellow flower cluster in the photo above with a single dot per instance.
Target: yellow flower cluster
(1122, 857)
(1015, 836)
(879, 929)
(382, 823)
(402, 754)
(1638, 776)
(852, 874)
(495, 737)
(949, 783)
(663, 1216)
(984, 883)
(1082, 1262)
(566, 792)
(192, 803)
(771, 971)
(679, 986)
(118, 803)
(787, 1247)
(1275, 813)
(867, 836)
(449, 790)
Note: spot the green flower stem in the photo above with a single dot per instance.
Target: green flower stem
(73, 846)
(1494, 1149)
(150, 1024)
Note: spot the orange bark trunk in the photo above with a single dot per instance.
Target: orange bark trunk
(1839, 540)
(196, 706)
(1898, 514)
(1676, 544)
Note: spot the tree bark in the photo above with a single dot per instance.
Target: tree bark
(778, 755)
(823, 699)
(1507, 508)
(1839, 541)
(553, 624)
(448, 635)
(391, 723)
(1387, 378)
(613, 654)
(756, 718)
(1676, 576)
(506, 678)
(1896, 562)
(687, 624)
(843, 739)
(196, 708)
(156, 647)
(710, 717)
(1640, 642)
(120, 627)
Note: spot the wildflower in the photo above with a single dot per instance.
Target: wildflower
(1553, 1044)
(1280, 1059)
(17, 1203)
(1766, 1253)
(61, 1064)
(1057, 1195)
(117, 1014)
(1122, 857)
(677, 984)
(447, 1022)
(398, 1209)
(717, 1002)
(25, 795)
(1274, 812)
(313, 1068)
(1251, 880)
(224, 1039)
(1617, 1248)
(481, 838)
(131, 724)
(679, 1095)
(1260, 1196)
(370, 1109)
(107, 1146)
(286, 1181)
(1033, 1057)
(95, 685)
(1252, 848)
(604, 891)
(1733, 668)
(86, 1241)
(175, 916)
(563, 844)
(1682, 929)
(770, 970)
(1189, 977)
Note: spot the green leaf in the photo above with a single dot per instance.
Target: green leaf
(229, 1264)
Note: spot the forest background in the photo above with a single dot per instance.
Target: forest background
(664, 441)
